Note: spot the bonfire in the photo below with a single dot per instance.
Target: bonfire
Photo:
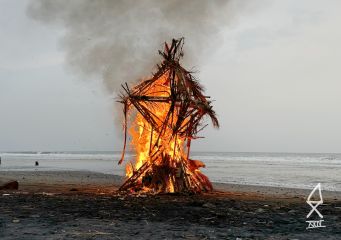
(163, 114)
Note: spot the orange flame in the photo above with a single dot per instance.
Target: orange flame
(144, 137)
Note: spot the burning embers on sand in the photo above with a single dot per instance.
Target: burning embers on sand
(164, 114)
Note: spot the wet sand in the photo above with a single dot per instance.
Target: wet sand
(86, 205)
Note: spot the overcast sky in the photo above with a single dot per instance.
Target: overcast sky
(275, 79)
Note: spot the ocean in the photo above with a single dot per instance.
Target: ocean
(294, 170)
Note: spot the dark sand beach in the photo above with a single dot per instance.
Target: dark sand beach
(86, 205)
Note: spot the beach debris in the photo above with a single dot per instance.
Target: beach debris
(11, 185)
(47, 194)
(165, 113)
(208, 205)
(292, 211)
(89, 233)
(260, 210)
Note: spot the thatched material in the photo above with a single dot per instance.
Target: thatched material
(186, 105)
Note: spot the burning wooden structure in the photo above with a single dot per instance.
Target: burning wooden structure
(165, 112)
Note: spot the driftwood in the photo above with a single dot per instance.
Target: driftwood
(10, 185)
(180, 96)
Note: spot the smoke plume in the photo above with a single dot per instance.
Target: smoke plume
(117, 40)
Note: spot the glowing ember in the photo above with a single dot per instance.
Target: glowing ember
(165, 113)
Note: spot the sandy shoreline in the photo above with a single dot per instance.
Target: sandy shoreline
(86, 205)
(35, 180)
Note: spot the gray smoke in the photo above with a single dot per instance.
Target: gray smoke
(117, 40)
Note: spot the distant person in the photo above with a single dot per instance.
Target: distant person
(37, 163)
(0, 160)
